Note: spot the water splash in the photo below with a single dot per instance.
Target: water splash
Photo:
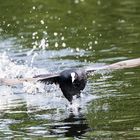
(44, 102)
(36, 95)
(11, 70)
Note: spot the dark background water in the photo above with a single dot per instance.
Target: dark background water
(59, 34)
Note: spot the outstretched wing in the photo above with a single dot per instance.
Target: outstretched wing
(44, 78)
(118, 65)
(48, 78)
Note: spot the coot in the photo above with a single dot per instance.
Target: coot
(71, 81)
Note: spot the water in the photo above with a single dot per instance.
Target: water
(49, 36)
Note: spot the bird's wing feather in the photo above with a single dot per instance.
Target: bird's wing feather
(118, 65)
(48, 78)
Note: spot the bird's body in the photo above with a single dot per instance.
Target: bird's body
(71, 82)
(71, 87)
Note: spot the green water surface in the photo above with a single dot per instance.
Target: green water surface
(96, 32)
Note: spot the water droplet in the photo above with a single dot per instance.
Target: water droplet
(34, 33)
(77, 49)
(45, 33)
(56, 44)
(69, 11)
(95, 42)
(8, 25)
(76, 1)
(42, 44)
(63, 44)
(55, 33)
(71, 50)
(85, 60)
(33, 37)
(90, 47)
(93, 21)
(99, 2)
(33, 7)
(90, 43)
(62, 38)
(121, 21)
(17, 22)
(42, 22)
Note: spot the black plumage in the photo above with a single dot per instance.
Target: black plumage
(71, 81)
(69, 86)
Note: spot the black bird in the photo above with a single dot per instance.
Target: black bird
(71, 81)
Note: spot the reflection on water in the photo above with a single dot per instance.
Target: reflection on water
(115, 114)
(50, 36)
(22, 119)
